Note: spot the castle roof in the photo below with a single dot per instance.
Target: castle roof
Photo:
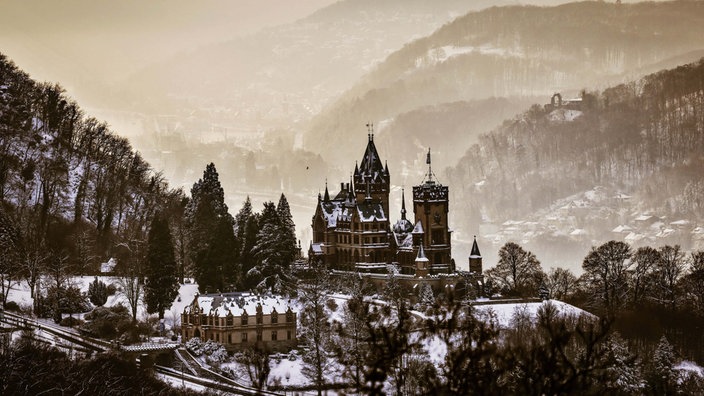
(421, 254)
(475, 250)
(371, 163)
(418, 229)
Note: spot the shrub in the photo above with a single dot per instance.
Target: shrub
(98, 292)
(12, 306)
(70, 321)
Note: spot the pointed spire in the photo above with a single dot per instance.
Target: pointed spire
(421, 254)
(430, 169)
(475, 249)
(386, 167)
(403, 205)
(356, 168)
(327, 194)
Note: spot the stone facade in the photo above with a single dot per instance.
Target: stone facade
(241, 320)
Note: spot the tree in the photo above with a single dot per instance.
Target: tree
(606, 274)
(272, 257)
(211, 238)
(662, 376)
(667, 273)
(472, 362)
(560, 283)
(518, 272)
(256, 362)
(287, 231)
(623, 372)
(645, 260)
(316, 331)
(98, 292)
(161, 285)
(10, 255)
(350, 340)
(693, 283)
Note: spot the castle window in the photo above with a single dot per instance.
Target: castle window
(244, 319)
(260, 318)
(259, 334)
(244, 337)
(273, 335)
(288, 335)
(289, 316)
(229, 338)
(229, 320)
(274, 317)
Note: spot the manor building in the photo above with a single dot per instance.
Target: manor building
(352, 230)
(241, 320)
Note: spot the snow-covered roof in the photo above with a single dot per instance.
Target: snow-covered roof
(418, 229)
(622, 229)
(578, 232)
(665, 233)
(643, 217)
(633, 237)
(238, 303)
(316, 247)
(682, 222)
(370, 211)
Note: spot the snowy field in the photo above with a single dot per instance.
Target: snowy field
(21, 295)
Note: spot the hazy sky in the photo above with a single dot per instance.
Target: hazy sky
(70, 40)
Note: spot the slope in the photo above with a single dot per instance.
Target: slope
(520, 51)
(625, 163)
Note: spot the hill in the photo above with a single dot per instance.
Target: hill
(624, 163)
(515, 51)
(68, 185)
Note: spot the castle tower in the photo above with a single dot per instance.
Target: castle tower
(371, 177)
(431, 207)
(475, 258)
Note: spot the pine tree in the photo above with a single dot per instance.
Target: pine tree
(662, 377)
(271, 269)
(211, 238)
(161, 285)
(287, 233)
(97, 292)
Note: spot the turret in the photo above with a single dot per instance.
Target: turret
(475, 258)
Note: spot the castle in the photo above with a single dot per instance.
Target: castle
(352, 231)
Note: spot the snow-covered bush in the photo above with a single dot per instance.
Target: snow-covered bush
(213, 351)
(195, 346)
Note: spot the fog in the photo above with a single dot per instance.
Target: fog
(277, 92)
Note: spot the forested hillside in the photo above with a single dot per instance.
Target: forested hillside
(632, 149)
(522, 51)
(69, 184)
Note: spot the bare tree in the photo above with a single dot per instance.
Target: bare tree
(606, 274)
(316, 331)
(132, 291)
(518, 271)
(645, 260)
(256, 362)
(668, 271)
(560, 283)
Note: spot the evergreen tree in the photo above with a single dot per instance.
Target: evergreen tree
(662, 378)
(287, 233)
(211, 238)
(161, 270)
(98, 292)
(272, 265)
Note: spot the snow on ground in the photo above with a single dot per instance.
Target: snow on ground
(180, 384)
(505, 312)
(20, 294)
